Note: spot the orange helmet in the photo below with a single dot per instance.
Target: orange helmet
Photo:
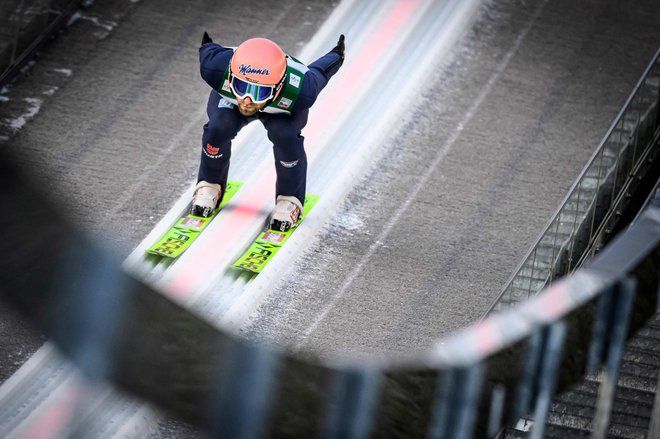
(259, 61)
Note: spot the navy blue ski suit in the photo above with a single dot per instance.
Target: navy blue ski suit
(284, 130)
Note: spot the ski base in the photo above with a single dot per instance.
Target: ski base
(187, 228)
(269, 242)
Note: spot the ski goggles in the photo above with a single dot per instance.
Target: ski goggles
(258, 93)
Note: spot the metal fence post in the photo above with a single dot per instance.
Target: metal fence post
(244, 396)
(600, 329)
(540, 370)
(19, 23)
(352, 403)
(620, 316)
(526, 386)
(456, 403)
(555, 255)
(657, 301)
(552, 354)
(92, 294)
(496, 410)
(654, 427)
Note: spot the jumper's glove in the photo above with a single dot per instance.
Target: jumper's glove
(339, 48)
(206, 39)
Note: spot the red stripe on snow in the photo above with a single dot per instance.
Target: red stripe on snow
(260, 198)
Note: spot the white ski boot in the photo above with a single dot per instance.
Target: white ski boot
(205, 198)
(286, 213)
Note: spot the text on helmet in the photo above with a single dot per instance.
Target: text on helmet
(247, 70)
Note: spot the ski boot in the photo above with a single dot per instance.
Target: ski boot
(286, 213)
(205, 199)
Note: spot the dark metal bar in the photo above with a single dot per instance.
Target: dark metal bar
(496, 410)
(352, 403)
(244, 397)
(552, 354)
(17, 34)
(654, 427)
(467, 402)
(439, 425)
(456, 404)
(526, 389)
(625, 292)
(600, 330)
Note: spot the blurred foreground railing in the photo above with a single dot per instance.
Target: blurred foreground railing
(587, 217)
(116, 328)
(25, 26)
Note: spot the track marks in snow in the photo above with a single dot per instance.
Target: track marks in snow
(442, 152)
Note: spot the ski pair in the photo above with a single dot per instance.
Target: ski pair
(180, 236)
(187, 228)
(269, 242)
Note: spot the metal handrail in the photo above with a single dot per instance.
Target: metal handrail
(473, 383)
(598, 236)
(22, 54)
(642, 90)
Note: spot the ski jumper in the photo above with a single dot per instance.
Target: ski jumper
(284, 117)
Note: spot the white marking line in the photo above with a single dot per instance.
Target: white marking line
(446, 147)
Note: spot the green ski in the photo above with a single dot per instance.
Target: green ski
(269, 242)
(187, 228)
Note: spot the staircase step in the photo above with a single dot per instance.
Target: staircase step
(553, 431)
